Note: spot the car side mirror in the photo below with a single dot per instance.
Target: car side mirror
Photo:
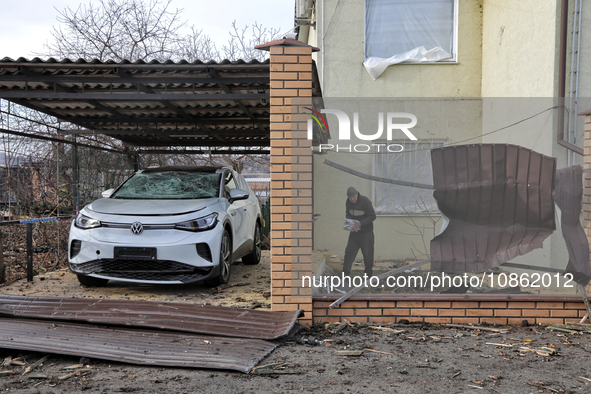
(238, 194)
(107, 193)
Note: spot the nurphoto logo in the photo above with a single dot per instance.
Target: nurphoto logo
(393, 124)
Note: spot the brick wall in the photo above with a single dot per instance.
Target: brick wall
(587, 183)
(440, 308)
(291, 179)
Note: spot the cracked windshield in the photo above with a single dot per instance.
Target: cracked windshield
(169, 185)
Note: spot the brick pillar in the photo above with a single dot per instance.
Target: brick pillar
(587, 182)
(291, 176)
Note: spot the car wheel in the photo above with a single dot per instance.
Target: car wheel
(254, 257)
(225, 262)
(90, 281)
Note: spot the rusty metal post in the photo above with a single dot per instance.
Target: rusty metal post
(29, 252)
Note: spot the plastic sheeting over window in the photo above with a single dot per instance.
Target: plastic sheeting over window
(407, 31)
(170, 185)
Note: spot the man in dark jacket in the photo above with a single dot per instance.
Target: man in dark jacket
(360, 210)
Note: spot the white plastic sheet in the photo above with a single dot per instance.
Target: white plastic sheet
(407, 31)
(375, 66)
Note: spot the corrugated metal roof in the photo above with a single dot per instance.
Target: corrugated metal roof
(569, 195)
(146, 347)
(499, 201)
(137, 63)
(150, 104)
(203, 319)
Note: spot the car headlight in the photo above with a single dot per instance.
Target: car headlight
(205, 223)
(86, 222)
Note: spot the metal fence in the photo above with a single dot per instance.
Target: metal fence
(17, 249)
(40, 191)
(46, 172)
(45, 178)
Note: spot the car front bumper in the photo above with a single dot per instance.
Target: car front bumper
(154, 257)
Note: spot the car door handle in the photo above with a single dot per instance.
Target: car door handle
(233, 213)
(244, 209)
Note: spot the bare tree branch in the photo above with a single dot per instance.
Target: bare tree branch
(241, 45)
(146, 30)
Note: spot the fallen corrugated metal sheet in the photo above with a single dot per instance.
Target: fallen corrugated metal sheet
(203, 319)
(145, 347)
(498, 199)
(568, 195)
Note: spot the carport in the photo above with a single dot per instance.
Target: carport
(208, 107)
(218, 107)
(228, 107)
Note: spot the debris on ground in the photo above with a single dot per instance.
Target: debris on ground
(386, 357)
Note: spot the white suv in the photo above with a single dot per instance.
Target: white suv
(167, 225)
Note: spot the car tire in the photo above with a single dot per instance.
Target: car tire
(90, 281)
(225, 262)
(254, 257)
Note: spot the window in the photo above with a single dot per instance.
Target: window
(229, 184)
(242, 184)
(411, 165)
(409, 31)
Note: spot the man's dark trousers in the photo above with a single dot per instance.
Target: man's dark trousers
(363, 240)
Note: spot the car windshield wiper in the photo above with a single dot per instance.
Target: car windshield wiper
(162, 198)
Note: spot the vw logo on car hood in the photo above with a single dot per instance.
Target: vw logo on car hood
(137, 228)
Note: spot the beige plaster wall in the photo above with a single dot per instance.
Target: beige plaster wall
(499, 55)
(396, 237)
(340, 24)
(519, 81)
(520, 48)
(345, 76)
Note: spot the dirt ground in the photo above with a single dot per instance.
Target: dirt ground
(398, 358)
(404, 359)
(249, 287)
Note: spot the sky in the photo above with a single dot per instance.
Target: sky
(26, 24)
